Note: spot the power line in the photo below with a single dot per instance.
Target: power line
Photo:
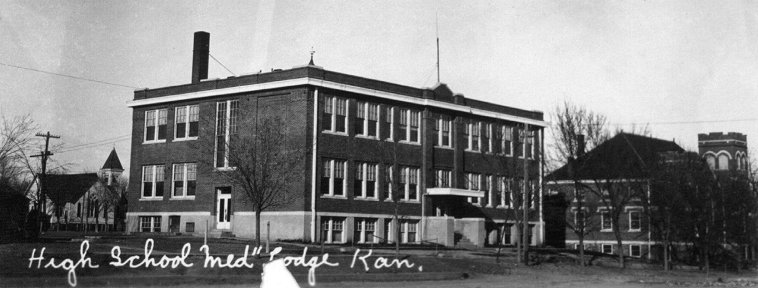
(687, 122)
(94, 143)
(219, 63)
(68, 76)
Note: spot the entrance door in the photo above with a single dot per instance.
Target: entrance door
(223, 205)
(173, 224)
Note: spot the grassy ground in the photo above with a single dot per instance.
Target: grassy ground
(458, 268)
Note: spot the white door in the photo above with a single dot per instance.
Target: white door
(223, 204)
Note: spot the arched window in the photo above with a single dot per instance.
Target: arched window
(723, 162)
(739, 161)
(711, 160)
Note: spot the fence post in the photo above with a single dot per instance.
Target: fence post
(268, 234)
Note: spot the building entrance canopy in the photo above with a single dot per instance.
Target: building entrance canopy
(454, 192)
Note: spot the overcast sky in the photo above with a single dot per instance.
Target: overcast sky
(657, 62)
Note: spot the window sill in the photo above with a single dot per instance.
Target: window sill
(365, 199)
(634, 230)
(409, 142)
(182, 198)
(334, 132)
(503, 207)
(444, 147)
(476, 204)
(366, 137)
(606, 230)
(410, 201)
(473, 151)
(154, 141)
(185, 139)
(151, 199)
(224, 169)
(333, 197)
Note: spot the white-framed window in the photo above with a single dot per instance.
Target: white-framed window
(472, 135)
(333, 177)
(365, 180)
(227, 113)
(410, 121)
(490, 190)
(388, 231)
(409, 231)
(334, 116)
(386, 129)
(506, 197)
(366, 119)
(507, 140)
(635, 222)
(155, 125)
(152, 181)
(487, 138)
(635, 250)
(185, 180)
(607, 248)
(443, 137)
(332, 230)
(409, 179)
(186, 122)
(527, 141)
(711, 160)
(365, 229)
(443, 178)
(472, 183)
(580, 219)
(150, 224)
(605, 221)
(388, 181)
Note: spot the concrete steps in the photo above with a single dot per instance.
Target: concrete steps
(465, 243)
(215, 233)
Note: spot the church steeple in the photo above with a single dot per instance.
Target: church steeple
(112, 168)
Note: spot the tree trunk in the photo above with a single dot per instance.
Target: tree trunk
(620, 250)
(581, 247)
(257, 227)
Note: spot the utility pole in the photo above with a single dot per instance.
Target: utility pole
(41, 192)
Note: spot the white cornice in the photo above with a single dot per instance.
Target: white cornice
(335, 86)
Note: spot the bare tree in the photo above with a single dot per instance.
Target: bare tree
(263, 165)
(576, 129)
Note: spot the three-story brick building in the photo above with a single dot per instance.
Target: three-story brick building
(452, 158)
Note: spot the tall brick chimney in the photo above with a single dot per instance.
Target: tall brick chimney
(200, 56)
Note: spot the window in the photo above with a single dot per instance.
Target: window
(150, 223)
(711, 161)
(605, 221)
(364, 230)
(472, 183)
(152, 181)
(635, 250)
(443, 178)
(723, 162)
(506, 197)
(388, 232)
(79, 209)
(507, 233)
(185, 176)
(366, 122)
(527, 138)
(472, 136)
(155, 125)
(189, 227)
(226, 126)
(365, 180)
(579, 219)
(409, 125)
(334, 118)
(388, 181)
(333, 177)
(409, 180)
(634, 221)
(386, 128)
(489, 189)
(442, 130)
(608, 248)
(408, 231)
(486, 137)
(507, 140)
(332, 230)
(93, 208)
(186, 122)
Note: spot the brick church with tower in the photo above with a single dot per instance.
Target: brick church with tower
(724, 153)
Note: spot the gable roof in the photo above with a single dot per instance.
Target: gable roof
(623, 156)
(69, 188)
(113, 162)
